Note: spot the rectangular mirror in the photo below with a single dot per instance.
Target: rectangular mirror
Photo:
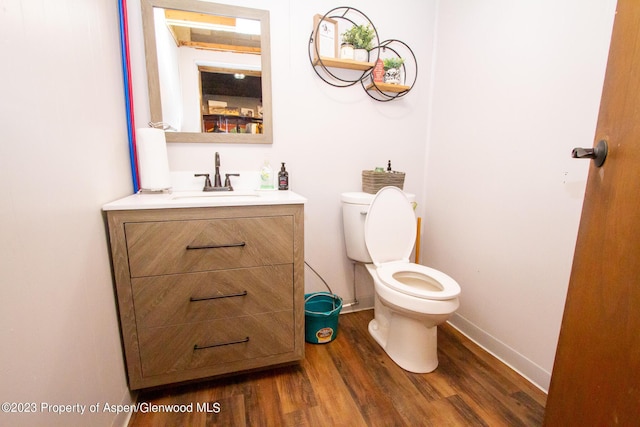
(208, 71)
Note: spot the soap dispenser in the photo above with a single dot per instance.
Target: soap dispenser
(266, 176)
(283, 178)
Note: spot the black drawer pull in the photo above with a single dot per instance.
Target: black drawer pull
(197, 347)
(227, 245)
(238, 294)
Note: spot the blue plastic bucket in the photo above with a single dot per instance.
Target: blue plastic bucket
(321, 310)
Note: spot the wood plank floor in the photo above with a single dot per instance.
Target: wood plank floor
(352, 382)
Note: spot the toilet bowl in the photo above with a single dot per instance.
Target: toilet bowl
(410, 299)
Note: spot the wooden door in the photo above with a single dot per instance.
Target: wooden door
(596, 375)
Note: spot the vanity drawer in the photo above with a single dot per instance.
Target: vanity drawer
(168, 247)
(195, 297)
(194, 346)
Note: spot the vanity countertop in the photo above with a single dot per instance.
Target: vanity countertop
(200, 199)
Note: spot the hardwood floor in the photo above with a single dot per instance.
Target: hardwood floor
(352, 382)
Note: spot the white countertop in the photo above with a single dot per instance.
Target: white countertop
(200, 199)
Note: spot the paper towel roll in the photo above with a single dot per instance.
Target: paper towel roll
(153, 163)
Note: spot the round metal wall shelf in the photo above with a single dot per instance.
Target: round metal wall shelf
(347, 72)
(384, 92)
(334, 71)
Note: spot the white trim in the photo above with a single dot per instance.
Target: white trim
(516, 361)
(122, 419)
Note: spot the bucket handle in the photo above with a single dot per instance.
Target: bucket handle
(317, 294)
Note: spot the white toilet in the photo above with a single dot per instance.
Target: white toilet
(410, 299)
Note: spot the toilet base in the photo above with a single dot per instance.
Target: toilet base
(406, 327)
(407, 341)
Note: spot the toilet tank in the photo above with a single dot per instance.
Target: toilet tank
(355, 206)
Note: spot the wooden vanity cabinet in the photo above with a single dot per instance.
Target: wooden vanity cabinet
(208, 291)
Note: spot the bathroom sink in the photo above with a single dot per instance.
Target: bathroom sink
(213, 194)
(201, 199)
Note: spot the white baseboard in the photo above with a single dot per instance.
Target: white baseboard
(516, 361)
(122, 419)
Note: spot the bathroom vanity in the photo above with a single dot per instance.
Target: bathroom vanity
(207, 284)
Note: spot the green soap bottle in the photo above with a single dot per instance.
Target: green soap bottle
(283, 178)
(266, 176)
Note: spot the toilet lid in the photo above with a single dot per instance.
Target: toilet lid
(390, 227)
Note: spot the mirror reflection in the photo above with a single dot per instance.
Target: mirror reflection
(208, 68)
(231, 100)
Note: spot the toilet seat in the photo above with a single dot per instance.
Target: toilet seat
(426, 282)
(390, 234)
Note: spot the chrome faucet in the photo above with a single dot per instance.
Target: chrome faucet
(217, 182)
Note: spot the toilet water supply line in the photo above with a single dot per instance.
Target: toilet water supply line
(355, 299)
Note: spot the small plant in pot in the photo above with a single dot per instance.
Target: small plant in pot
(361, 38)
(393, 70)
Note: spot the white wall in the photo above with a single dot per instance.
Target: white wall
(63, 154)
(169, 74)
(517, 85)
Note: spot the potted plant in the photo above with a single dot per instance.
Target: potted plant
(361, 38)
(393, 70)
